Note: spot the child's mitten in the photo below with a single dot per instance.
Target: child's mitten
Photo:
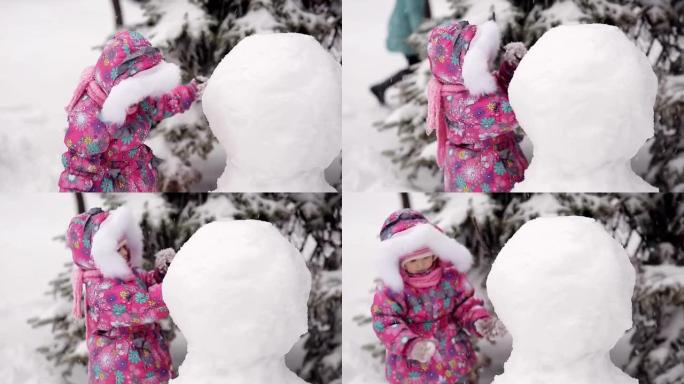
(514, 52)
(422, 351)
(162, 260)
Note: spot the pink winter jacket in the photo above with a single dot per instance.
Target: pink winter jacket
(444, 313)
(106, 151)
(468, 107)
(122, 305)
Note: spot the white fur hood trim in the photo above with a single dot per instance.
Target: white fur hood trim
(118, 225)
(413, 239)
(477, 77)
(154, 82)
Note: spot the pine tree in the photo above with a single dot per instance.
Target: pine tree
(312, 222)
(657, 27)
(197, 34)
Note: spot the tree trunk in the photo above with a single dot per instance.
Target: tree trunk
(80, 202)
(118, 15)
(405, 200)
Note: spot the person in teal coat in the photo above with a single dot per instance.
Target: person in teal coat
(405, 19)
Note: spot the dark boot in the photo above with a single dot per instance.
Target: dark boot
(379, 89)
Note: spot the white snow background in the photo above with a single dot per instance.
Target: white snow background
(46, 44)
(30, 258)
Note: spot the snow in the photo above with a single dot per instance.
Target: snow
(664, 276)
(259, 20)
(180, 16)
(553, 278)
(584, 95)
(53, 41)
(480, 11)
(562, 12)
(30, 258)
(21, 365)
(238, 291)
(456, 210)
(273, 103)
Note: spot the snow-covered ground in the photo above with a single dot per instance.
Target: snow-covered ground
(46, 44)
(30, 258)
(366, 62)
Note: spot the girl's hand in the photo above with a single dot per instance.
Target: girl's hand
(162, 261)
(514, 52)
(200, 83)
(422, 351)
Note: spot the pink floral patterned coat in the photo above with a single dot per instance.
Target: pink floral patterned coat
(444, 313)
(110, 156)
(477, 146)
(124, 339)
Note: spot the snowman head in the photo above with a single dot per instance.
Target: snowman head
(585, 93)
(238, 292)
(274, 104)
(563, 288)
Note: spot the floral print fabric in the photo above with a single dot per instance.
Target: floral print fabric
(482, 153)
(444, 313)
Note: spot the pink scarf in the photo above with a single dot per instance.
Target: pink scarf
(435, 117)
(88, 85)
(77, 280)
(424, 280)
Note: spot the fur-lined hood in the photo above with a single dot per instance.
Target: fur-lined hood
(406, 231)
(93, 238)
(129, 70)
(470, 50)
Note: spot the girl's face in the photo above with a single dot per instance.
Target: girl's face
(123, 251)
(419, 265)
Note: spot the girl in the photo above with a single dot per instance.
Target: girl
(424, 311)
(122, 302)
(468, 107)
(111, 112)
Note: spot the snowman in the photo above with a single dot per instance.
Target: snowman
(273, 103)
(238, 292)
(563, 287)
(584, 95)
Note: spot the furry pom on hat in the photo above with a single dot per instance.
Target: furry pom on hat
(407, 231)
